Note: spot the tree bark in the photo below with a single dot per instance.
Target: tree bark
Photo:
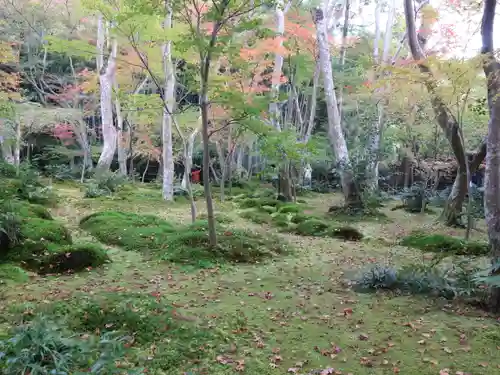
(168, 110)
(491, 69)
(374, 136)
(444, 116)
(335, 133)
(121, 144)
(188, 158)
(106, 78)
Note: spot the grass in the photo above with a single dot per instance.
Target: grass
(296, 311)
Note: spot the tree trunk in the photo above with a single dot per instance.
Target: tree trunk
(204, 105)
(491, 69)
(106, 78)
(374, 135)
(335, 134)
(121, 144)
(168, 110)
(188, 158)
(444, 116)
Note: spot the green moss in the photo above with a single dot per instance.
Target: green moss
(76, 257)
(219, 217)
(29, 210)
(300, 218)
(38, 237)
(439, 243)
(184, 244)
(256, 217)
(313, 227)
(282, 220)
(268, 209)
(292, 208)
(190, 245)
(12, 273)
(132, 232)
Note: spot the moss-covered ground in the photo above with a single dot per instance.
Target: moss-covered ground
(294, 313)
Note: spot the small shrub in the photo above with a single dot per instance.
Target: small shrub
(132, 232)
(7, 170)
(74, 258)
(377, 277)
(11, 272)
(10, 231)
(439, 243)
(111, 181)
(42, 347)
(411, 279)
(92, 190)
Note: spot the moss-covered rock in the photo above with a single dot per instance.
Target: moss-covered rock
(76, 257)
(439, 243)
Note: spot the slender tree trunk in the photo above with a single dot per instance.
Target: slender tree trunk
(374, 136)
(335, 133)
(204, 105)
(444, 116)
(168, 110)
(491, 69)
(188, 158)
(121, 143)
(106, 78)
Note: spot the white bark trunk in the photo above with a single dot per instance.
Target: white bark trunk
(335, 134)
(373, 147)
(106, 78)
(121, 143)
(168, 110)
(188, 157)
(274, 109)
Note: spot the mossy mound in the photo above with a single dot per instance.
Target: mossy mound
(76, 257)
(289, 217)
(188, 244)
(219, 217)
(132, 232)
(25, 209)
(350, 214)
(12, 273)
(439, 243)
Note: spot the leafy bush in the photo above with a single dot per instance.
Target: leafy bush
(42, 347)
(411, 279)
(111, 181)
(439, 243)
(10, 230)
(75, 257)
(7, 170)
(132, 232)
(92, 190)
(11, 272)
